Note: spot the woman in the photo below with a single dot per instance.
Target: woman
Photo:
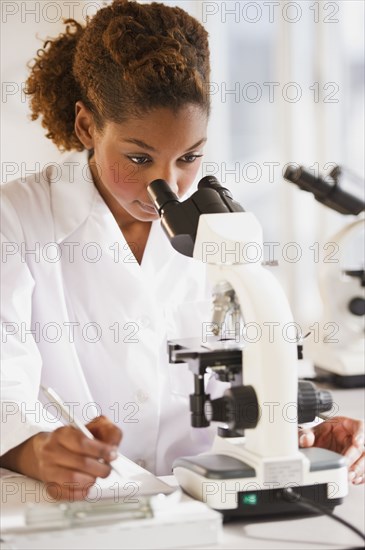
(94, 288)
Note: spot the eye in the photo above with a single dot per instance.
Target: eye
(139, 159)
(190, 157)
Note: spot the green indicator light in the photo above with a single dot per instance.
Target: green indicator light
(250, 498)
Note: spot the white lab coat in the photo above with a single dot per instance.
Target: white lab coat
(99, 320)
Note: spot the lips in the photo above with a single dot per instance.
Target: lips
(148, 207)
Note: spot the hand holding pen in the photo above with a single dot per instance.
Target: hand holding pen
(71, 459)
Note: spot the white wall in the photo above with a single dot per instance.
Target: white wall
(25, 25)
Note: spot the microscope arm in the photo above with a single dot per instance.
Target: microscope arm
(269, 366)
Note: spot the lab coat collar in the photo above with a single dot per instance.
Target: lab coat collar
(74, 196)
(73, 193)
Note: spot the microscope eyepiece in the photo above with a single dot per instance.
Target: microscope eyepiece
(180, 220)
(211, 182)
(320, 187)
(161, 194)
(326, 190)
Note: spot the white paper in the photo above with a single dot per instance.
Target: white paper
(134, 482)
(9, 473)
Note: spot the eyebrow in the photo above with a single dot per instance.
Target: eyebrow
(150, 148)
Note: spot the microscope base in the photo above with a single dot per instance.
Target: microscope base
(340, 380)
(271, 502)
(231, 487)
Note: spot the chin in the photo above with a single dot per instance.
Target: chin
(147, 213)
(146, 216)
(152, 217)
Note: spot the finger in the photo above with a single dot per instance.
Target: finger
(73, 461)
(353, 426)
(68, 484)
(104, 430)
(352, 454)
(75, 441)
(357, 471)
(359, 439)
(306, 438)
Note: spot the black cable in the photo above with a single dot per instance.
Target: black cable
(325, 379)
(291, 496)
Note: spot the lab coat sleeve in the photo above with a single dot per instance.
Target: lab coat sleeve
(21, 414)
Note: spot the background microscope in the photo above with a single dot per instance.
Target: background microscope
(341, 283)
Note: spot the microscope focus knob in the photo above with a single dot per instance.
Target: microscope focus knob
(311, 401)
(241, 408)
(357, 306)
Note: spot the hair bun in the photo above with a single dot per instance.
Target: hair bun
(127, 41)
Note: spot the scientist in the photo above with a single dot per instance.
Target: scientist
(92, 289)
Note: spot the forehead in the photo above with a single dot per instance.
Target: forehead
(163, 128)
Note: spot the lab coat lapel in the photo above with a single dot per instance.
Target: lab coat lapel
(158, 251)
(72, 194)
(112, 239)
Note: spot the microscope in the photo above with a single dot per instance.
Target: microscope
(340, 360)
(255, 466)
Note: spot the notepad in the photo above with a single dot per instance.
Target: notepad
(136, 482)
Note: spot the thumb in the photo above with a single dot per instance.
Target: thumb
(306, 438)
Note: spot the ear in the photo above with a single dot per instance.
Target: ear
(84, 125)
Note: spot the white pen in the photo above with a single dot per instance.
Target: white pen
(69, 418)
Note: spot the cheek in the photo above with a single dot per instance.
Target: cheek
(123, 178)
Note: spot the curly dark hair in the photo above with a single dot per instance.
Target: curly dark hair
(128, 59)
